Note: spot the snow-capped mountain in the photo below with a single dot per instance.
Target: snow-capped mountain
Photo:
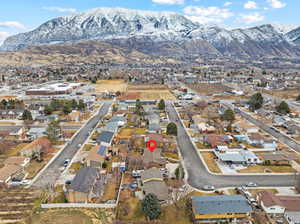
(138, 29)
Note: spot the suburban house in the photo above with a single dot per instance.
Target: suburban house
(11, 114)
(15, 131)
(96, 156)
(153, 157)
(255, 139)
(105, 138)
(86, 185)
(280, 206)
(214, 209)
(153, 182)
(37, 147)
(278, 157)
(215, 140)
(238, 156)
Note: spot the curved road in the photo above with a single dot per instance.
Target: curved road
(52, 172)
(198, 176)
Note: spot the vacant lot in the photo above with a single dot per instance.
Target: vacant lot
(110, 86)
(63, 216)
(209, 89)
(147, 92)
(285, 94)
(209, 159)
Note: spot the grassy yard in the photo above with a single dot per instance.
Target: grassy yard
(262, 169)
(15, 151)
(87, 147)
(63, 216)
(201, 145)
(34, 167)
(128, 132)
(255, 191)
(7, 123)
(76, 166)
(210, 162)
(131, 210)
(171, 155)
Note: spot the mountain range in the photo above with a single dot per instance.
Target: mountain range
(165, 34)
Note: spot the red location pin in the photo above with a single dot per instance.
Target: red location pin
(151, 144)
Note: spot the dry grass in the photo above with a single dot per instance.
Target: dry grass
(7, 123)
(34, 167)
(209, 89)
(201, 145)
(15, 151)
(171, 155)
(262, 169)
(131, 210)
(110, 192)
(128, 132)
(255, 191)
(75, 167)
(87, 147)
(110, 86)
(210, 162)
(64, 216)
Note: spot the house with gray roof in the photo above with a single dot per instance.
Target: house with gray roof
(85, 185)
(212, 209)
(105, 137)
(36, 132)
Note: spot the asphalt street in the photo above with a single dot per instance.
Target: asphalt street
(198, 176)
(49, 176)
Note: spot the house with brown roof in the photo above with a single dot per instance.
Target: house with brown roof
(96, 156)
(277, 206)
(215, 140)
(153, 183)
(153, 157)
(278, 157)
(37, 147)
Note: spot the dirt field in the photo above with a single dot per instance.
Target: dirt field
(285, 94)
(209, 89)
(110, 86)
(210, 162)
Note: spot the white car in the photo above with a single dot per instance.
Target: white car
(208, 188)
(251, 184)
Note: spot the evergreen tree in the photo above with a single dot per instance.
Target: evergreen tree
(27, 116)
(256, 102)
(228, 115)
(151, 207)
(161, 105)
(283, 108)
(172, 129)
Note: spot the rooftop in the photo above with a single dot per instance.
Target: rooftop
(220, 204)
(84, 179)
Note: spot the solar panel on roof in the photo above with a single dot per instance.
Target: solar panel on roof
(102, 150)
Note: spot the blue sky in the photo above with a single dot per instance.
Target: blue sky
(20, 16)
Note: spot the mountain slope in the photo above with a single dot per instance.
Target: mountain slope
(160, 34)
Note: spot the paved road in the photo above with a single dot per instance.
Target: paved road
(52, 172)
(198, 176)
(274, 132)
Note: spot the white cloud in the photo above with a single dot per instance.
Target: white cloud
(227, 3)
(169, 2)
(250, 5)
(276, 4)
(3, 36)
(207, 15)
(59, 9)
(12, 24)
(250, 18)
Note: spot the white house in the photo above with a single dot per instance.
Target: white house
(270, 204)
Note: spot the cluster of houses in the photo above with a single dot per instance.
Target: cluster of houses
(14, 169)
(149, 169)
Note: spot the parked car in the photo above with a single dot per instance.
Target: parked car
(251, 184)
(66, 162)
(208, 188)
